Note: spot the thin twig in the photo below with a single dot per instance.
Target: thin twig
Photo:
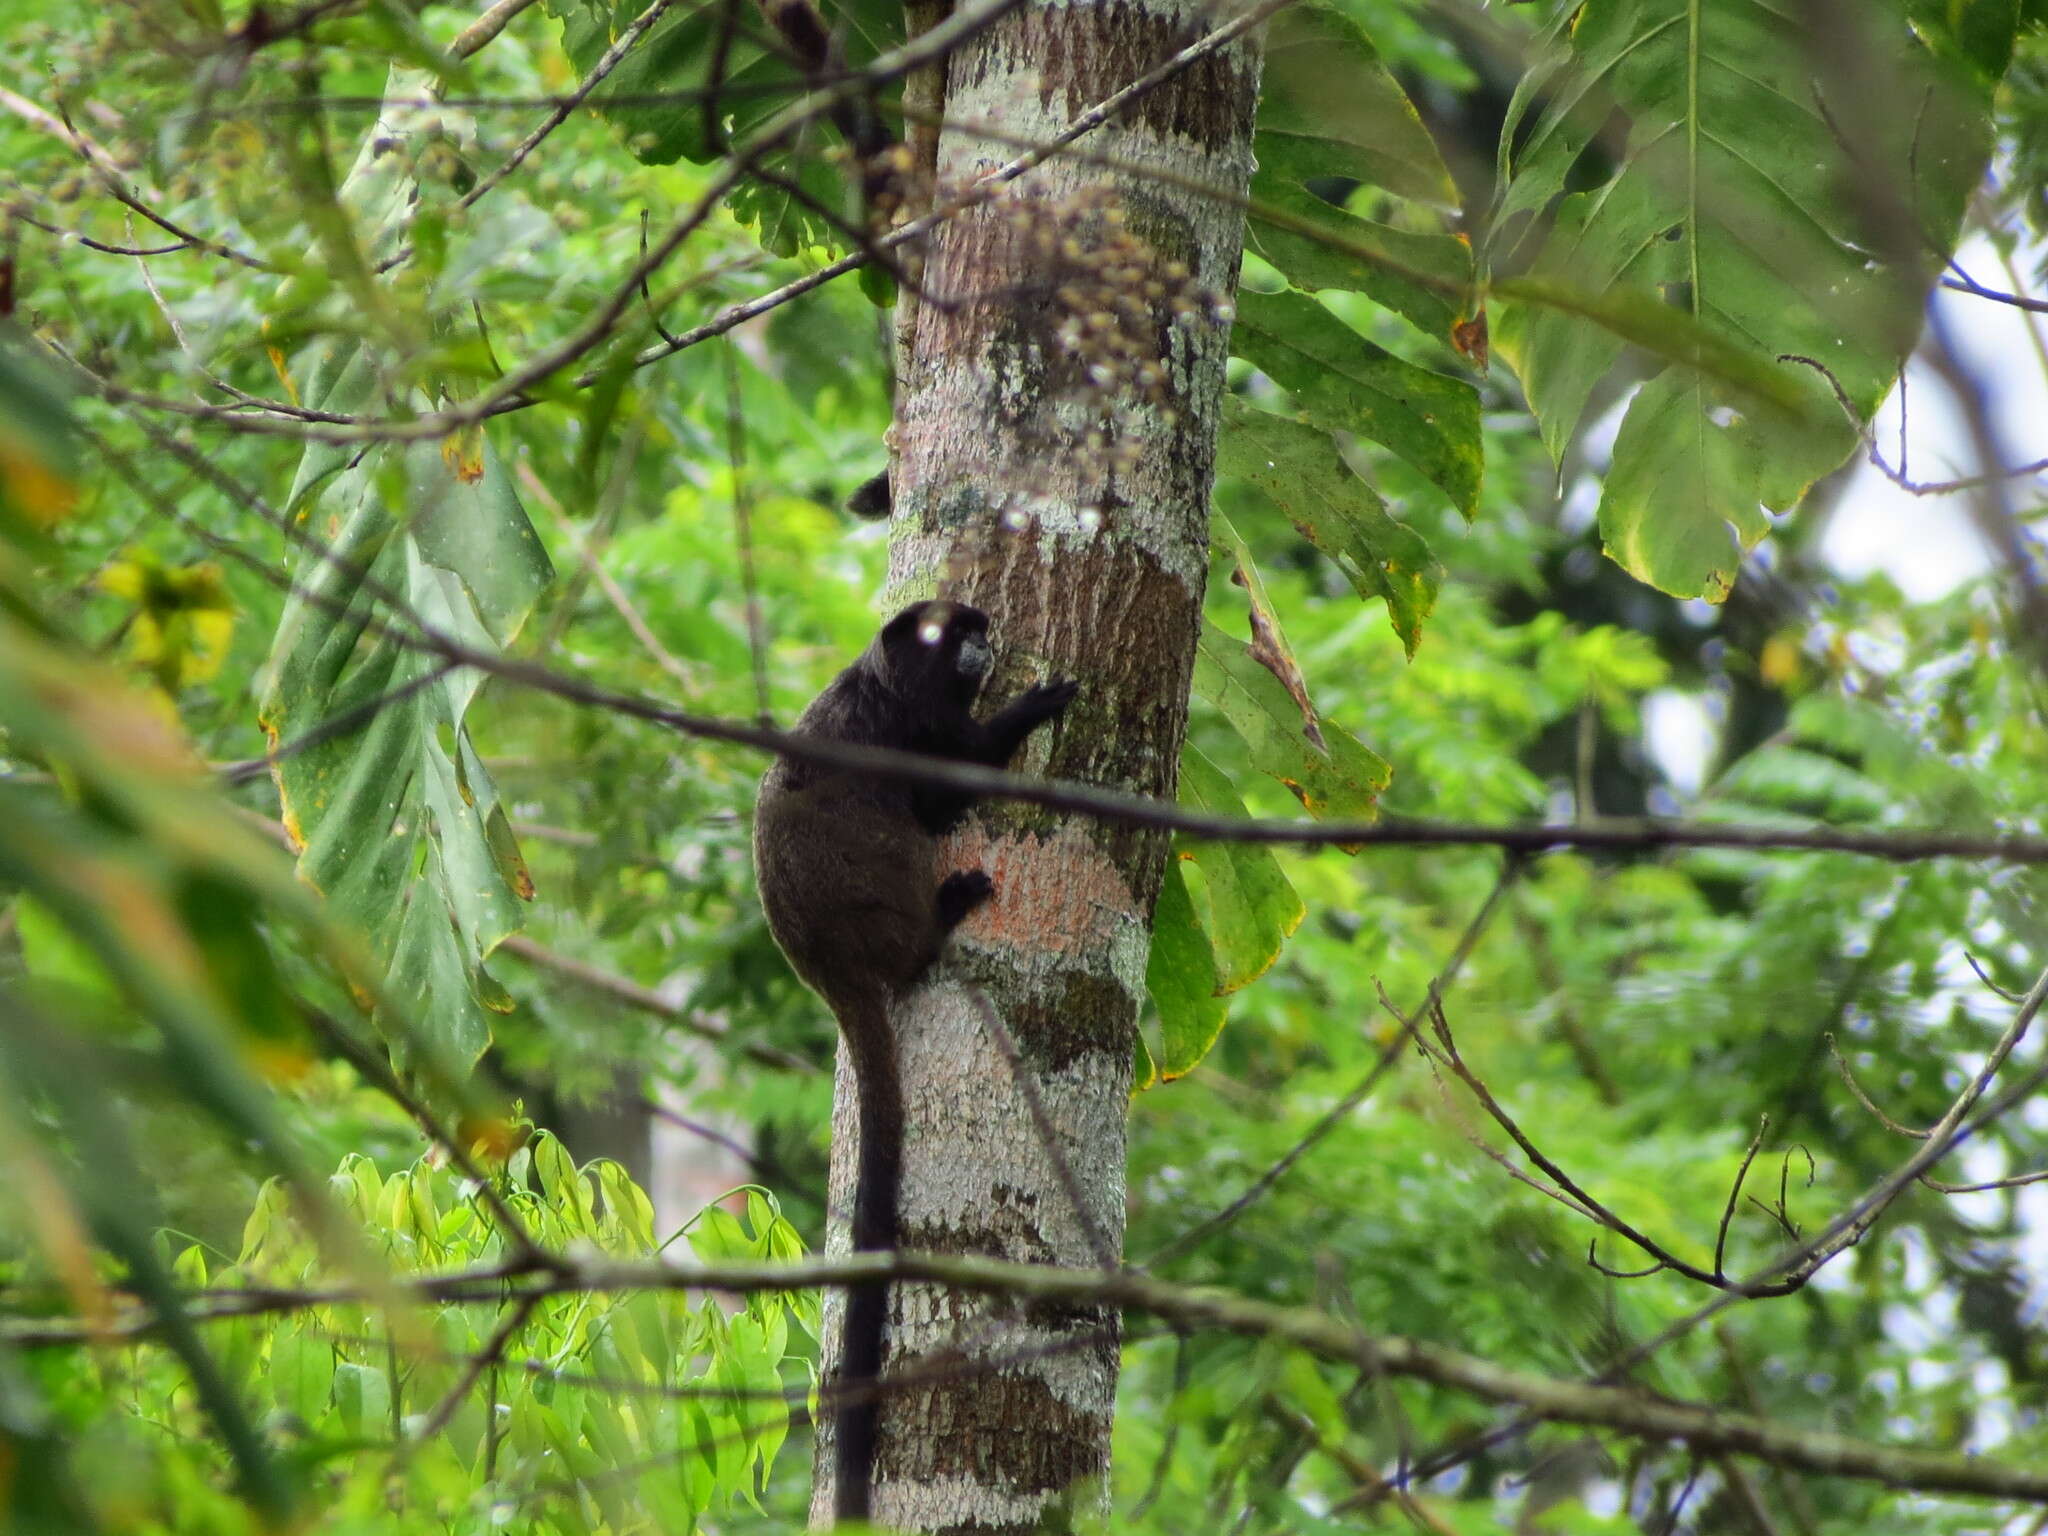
(1848, 1077)
(1735, 1196)
(1343, 1108)
(743, 533)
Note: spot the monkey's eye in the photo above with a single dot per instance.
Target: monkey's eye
(931, 632)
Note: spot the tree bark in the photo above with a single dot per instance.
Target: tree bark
(1046, 474)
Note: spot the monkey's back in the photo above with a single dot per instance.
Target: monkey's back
(848, 876)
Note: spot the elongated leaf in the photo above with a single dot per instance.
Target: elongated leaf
(1343, 383)
(1329, 107)
(1426, 278)
(1300, 469)
(1180, 973)
(1788, 193)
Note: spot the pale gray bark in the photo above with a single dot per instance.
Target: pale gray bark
(1091, 563)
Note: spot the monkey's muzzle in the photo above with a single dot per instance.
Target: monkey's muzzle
(975, 657)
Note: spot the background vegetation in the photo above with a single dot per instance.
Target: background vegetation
(286, 1148)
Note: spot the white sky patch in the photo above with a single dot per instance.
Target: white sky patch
(1927, 544)
(1679, 734)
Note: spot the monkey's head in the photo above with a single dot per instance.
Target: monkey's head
(935, 652)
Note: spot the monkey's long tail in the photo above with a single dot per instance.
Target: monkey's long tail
(871, 1046)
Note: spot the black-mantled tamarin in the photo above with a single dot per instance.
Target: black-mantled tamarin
(848, 870)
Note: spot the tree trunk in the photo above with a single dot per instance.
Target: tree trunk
(1055, 438)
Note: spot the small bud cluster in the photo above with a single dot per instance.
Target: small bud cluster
(889, 183)
(1112, 306)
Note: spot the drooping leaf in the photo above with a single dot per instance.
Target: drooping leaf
(1269, 639)
(1180, 973)
(1329, 107)
(1343, 383)
(1424, 277)
(1789, 192)
(1300, 469)
(397, 823)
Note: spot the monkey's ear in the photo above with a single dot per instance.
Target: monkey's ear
(871, 498)
(902, 629)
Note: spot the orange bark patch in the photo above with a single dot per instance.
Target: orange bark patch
(1060, 893)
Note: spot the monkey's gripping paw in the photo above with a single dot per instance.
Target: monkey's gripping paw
(1048, 699)
(960, 893)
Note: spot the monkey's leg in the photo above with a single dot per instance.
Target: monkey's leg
(960, 893)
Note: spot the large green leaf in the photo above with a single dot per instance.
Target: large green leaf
(1180, 973)
(1331, 112)
(397, 823)
(1302, 473)
(1343, 383)
(1790, 193)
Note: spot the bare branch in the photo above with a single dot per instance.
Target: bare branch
(1707, 1431)
(1848, 1077)
(633, 995)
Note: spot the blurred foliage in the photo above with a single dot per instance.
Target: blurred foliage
(189, 1035)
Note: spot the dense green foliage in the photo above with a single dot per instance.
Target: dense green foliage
(197, 1033)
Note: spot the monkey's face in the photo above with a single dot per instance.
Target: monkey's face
(937, 650)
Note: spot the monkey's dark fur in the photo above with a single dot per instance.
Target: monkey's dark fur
(848, 868)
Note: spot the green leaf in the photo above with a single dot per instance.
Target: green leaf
(1330, 113)
(718, 1237)
(1343, 383)
(1300, 470)
(1685, 493)
(397, 823)
(1329, 107)
(1338, 780)
(1252, 907)
(1736, 203)
(362, 1397)
(1425, 278)
(301, 1370)
(1180, 973)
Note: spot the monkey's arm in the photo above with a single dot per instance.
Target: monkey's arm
(991, 743)
(998, 737)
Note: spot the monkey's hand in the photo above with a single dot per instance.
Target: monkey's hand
(1007, 728)
(1048, 699)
